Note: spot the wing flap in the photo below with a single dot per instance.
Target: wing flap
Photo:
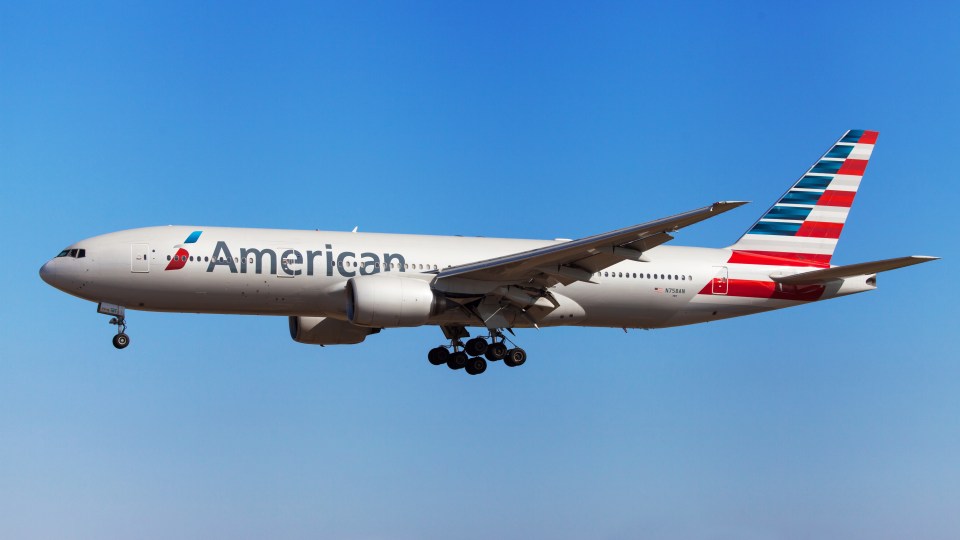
(851, 270)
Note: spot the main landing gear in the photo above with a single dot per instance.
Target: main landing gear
(472, 356)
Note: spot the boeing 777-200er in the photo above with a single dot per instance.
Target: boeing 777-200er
(340, 287)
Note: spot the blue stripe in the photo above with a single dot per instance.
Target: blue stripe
(788, 212)
(814, 182)
(779, 229)
(193, 237)
(852, 136)
(840, 151)
(828, 167)
(801, 197)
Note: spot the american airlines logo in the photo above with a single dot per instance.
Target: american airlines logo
(180, 259)
(292, 262)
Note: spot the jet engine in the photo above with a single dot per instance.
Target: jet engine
(327, 331)
(384, 300)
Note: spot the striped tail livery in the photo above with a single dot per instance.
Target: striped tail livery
(803, 227)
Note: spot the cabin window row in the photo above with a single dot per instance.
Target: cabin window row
(641, 275)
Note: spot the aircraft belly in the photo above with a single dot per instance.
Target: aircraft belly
(200, 292)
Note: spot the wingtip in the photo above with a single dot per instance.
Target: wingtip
(728, 205)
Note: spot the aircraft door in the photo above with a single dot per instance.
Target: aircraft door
(721, 281)
(139, 258)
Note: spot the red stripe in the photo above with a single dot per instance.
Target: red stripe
(780, 258)
(869, 137)
(748, 288)
(837, 198)
(820, 229)
(179, 260)
(853, 166)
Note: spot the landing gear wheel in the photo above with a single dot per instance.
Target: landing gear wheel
(496, 351)
(476, 346)
(515, 357)
(121, 340)
(476, 365)
(457, 360)
(438, 356)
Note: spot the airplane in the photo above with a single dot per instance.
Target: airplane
(340, 287)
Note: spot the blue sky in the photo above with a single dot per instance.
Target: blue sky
(538, 120)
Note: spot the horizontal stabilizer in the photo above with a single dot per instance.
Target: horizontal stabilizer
(851, 270)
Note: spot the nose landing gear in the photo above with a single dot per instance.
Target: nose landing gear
(121, 340)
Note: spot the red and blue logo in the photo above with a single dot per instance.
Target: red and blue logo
(180, 259)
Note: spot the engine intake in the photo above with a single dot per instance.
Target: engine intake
(383, 301)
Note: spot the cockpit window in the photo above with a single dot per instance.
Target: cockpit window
(74, 253)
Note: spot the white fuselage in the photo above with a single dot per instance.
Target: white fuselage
(305, 273)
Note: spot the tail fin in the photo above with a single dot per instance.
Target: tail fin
(803, 227)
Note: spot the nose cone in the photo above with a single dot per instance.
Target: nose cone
(56, 274)
(47, 273)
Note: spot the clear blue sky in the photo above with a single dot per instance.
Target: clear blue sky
(543, 120)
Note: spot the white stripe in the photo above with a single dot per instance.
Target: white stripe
(845, 182)
(829, 214)
(861, 151)
(793, 244)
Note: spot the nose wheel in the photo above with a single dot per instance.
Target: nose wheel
(121, 339)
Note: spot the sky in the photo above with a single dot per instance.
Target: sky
(513, 119)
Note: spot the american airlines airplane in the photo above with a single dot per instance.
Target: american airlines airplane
(340, 287)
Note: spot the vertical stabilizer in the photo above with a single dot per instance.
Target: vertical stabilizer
(803, 227)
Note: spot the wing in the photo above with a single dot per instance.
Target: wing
(577, 260)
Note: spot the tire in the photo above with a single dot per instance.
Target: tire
(457, 360)
(496, 351)
(476, 365)
(438, 356)
(121, 341)
(515, 357)
(476, 347)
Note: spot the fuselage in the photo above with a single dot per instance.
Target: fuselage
(305, 273)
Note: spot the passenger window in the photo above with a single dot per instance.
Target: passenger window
(683, 278)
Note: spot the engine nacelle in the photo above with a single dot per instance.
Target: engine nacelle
(327, 331)
(384, 301)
